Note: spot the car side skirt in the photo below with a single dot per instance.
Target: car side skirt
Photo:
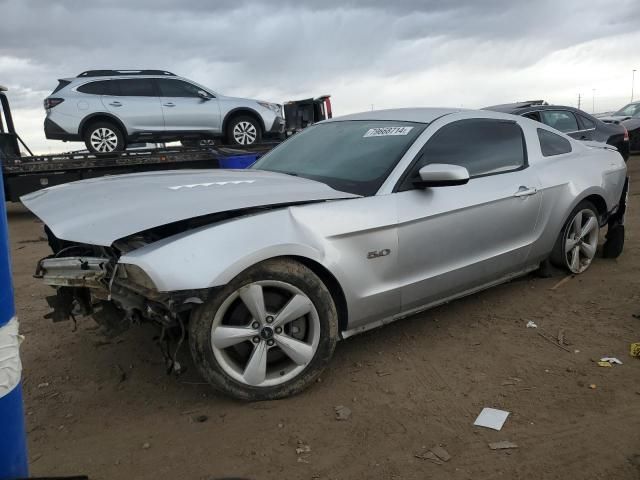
(378, 323)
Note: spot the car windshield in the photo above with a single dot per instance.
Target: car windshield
(631, 110)
(354, 156)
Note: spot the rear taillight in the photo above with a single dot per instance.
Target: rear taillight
(626, 134)
(52, 102)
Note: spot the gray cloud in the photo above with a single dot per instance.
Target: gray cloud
(365, 52)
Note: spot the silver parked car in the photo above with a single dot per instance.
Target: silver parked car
(351, 224)
(109, 108)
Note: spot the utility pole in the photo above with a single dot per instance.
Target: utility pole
(593, 101)
(579, 101)
(633, 77)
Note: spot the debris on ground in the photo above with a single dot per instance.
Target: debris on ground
(610, 360)
(604, 364)
(491, 418)
(531, 324)
(342, 412)
(302, 448)
(634, 350)
(43, 385)
(561, 282)
(199, 418)
(503, 445)
(441, 453)
(593, 386)
(553, 341)
(146, 445)
(437, 455)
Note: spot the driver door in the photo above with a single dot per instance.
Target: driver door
(454, 239)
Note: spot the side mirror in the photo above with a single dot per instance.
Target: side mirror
(441, 175)
(204, 95)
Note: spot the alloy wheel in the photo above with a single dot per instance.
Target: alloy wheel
(581, 241)
(265, 333)
(245, 133)
(104, 140)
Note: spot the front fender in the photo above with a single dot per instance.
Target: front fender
(212, 255)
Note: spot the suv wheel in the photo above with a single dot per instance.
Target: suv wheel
(244, 130)
(104, 137)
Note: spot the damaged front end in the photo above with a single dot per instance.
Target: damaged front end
(90, 281)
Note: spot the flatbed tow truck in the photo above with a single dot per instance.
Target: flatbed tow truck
(26, 174)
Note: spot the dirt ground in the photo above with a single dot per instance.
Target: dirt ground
(107, 409)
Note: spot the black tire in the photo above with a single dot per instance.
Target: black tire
(247, 124)
(106, 130)
(559, 255)
(279, 270)
(614, 244)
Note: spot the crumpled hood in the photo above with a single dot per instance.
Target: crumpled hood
(99, 211)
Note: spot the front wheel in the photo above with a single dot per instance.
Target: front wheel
(577, 243)
(244, 130)
(104, 137)
(268, 334)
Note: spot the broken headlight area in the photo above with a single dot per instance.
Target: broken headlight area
(115, 295)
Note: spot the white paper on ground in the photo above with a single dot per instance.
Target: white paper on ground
(611, 360)
(491, 418)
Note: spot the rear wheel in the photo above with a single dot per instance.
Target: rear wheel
(267, 334)
(244, 130)
(577, 243)
(104, 137)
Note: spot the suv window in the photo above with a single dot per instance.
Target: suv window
(482, 146)
(101, 87)
(560, 120)
(587, 123)
(552, 144)
(140, 87)
(177, 88)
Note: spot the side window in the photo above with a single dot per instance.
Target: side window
(587, 123)
(482, 146)
(101, 87)
(552, 144)
(533, 116)
(139, 87)
(560, 120)
(177, 88)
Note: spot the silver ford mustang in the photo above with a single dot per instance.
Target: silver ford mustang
(351, 224)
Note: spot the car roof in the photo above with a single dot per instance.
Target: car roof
(418, 115)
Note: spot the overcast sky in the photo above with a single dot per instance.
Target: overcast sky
(385, 53)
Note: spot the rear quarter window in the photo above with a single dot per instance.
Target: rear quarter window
(552, 144)
(100, 87)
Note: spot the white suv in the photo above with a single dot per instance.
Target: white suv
(109, 108)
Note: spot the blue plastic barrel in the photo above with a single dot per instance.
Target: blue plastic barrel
(238, 161)
(13, 443)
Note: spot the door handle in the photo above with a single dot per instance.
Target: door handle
(525, 192)
(170, 104)
(115, 104)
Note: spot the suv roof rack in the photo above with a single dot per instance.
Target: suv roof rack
(109, 73)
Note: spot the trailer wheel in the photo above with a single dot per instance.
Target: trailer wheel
(244, 130)
(104, 137)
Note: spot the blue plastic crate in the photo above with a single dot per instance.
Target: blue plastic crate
(238, 161)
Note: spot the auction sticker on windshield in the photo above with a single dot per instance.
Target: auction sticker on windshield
(387, 131)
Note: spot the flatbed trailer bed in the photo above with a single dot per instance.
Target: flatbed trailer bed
(22, 175)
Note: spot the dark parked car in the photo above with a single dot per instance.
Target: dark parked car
(571, 121)
(629, 117)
